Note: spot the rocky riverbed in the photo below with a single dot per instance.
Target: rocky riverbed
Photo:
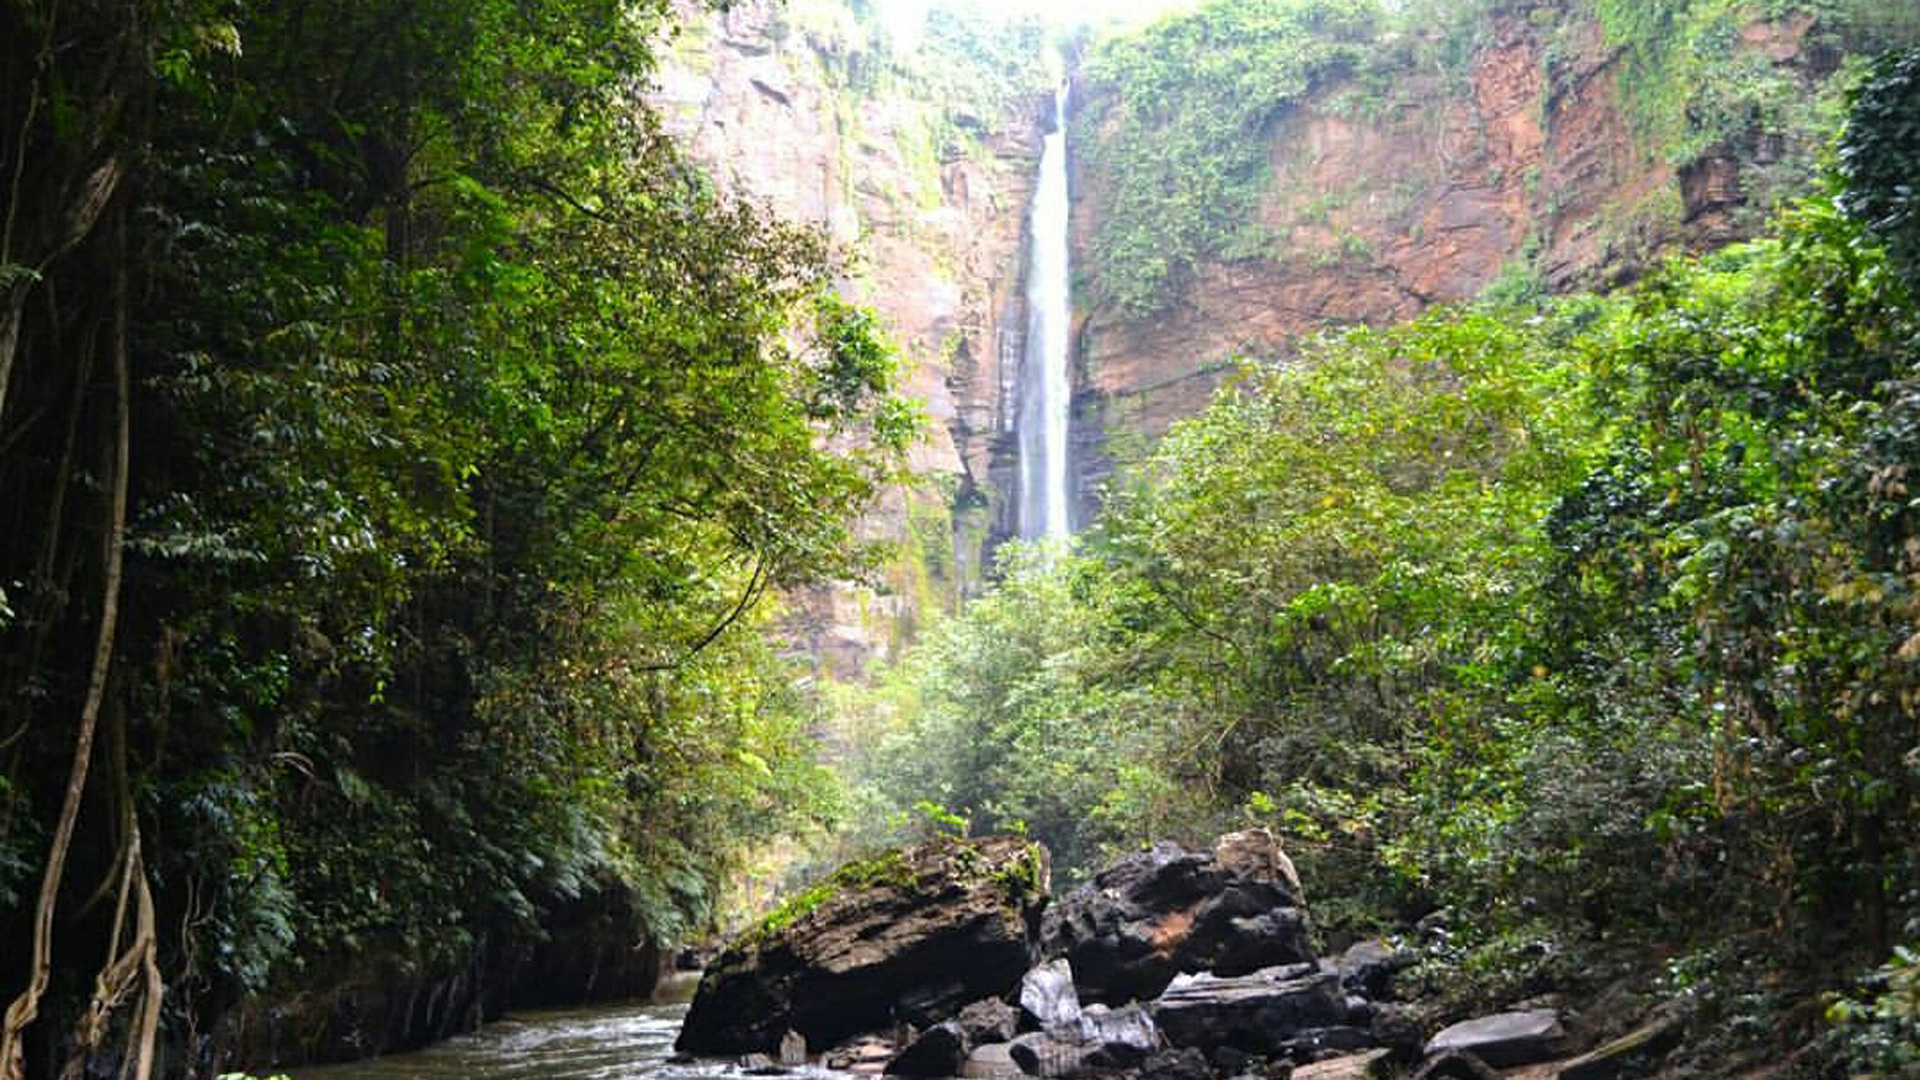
(949, 960)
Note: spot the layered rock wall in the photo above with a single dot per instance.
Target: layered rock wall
(1526, 166)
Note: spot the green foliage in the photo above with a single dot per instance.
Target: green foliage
(1880, 1030)
(1182, 148)
(1880, 159)
(476, 435)
(885, 869)
(1694, 90)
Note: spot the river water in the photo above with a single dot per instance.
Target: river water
(604, 1043)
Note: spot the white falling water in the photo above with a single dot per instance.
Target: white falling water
(1045, 392)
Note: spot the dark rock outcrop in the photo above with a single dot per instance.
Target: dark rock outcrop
(989, 1021)
(1167, 911)
(938, 1051)
(911, 937)
(1261, 1014)
(594, 949)
(1368, 967)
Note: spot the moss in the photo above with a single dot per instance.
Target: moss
(888, 869)
(1025, 878)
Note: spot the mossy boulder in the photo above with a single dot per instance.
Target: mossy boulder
(910, 937)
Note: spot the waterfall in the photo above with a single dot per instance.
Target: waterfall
(1045, 390)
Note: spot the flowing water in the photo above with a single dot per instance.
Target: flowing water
(613, 1042)
(1045, 391)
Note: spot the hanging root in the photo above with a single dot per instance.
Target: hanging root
(136, 968)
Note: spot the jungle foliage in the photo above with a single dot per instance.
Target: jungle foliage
(399, 448)
(1593, 618)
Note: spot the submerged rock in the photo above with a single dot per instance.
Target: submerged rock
(1167, 911)
(910, 937)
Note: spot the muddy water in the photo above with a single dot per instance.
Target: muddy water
(604, 1043)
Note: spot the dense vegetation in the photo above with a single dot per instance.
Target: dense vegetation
(1592, 620)
(399, 446)
(1184, 147)
(1179, 119)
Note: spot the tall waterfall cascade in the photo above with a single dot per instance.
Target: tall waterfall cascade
(1045, 387)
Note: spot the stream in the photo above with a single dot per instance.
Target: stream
(609, 1042)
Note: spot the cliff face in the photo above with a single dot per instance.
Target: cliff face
(813, 111)
(1522, 167)
(1525, 170)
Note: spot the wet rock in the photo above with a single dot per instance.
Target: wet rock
(1167, 911)
(991, 1062)
(1400, 1029)
(1125, 1035)
(1040, 1054)
(989, 1021)
(938, 1051)
(1048, 1000)
(1364, 1066)
(1096, 1040)
(1177, 1063)
(910, 937)
(793, 1049)
(1368, 968)
(1230, 1059)
(1504, 1040)
(1317, 1044)
(866, 1056)
(761, 1065)
(1255, 1013)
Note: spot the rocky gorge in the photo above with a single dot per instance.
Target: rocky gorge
(1521, 155)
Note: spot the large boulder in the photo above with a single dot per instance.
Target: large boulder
(909, 937)
(1263, 1014)
(1158, 913)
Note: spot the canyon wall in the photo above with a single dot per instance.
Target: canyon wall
(1522, 169)
(1525, 163)
(917, 157)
